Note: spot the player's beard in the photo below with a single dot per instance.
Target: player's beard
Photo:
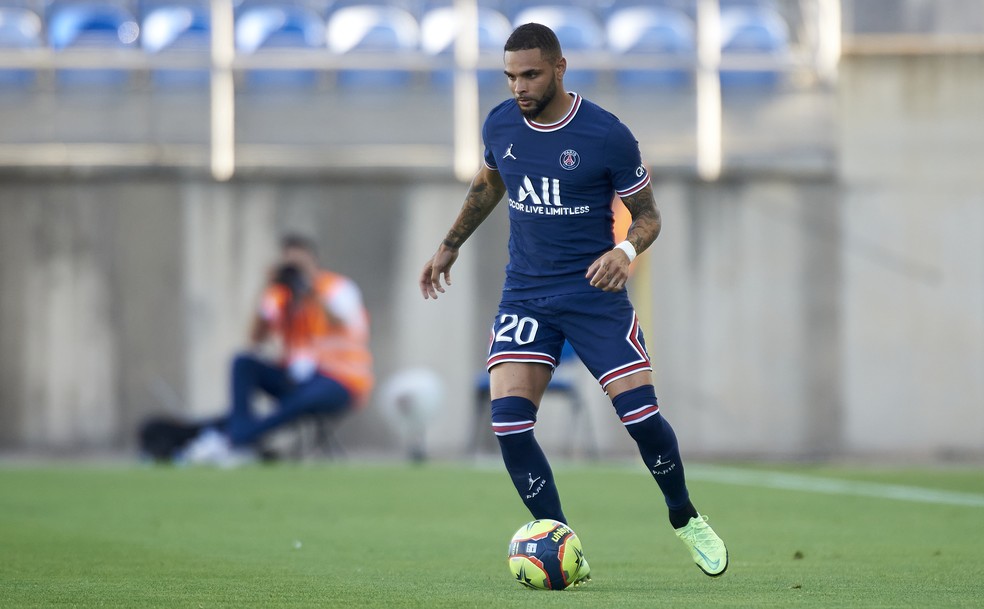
(543, 102)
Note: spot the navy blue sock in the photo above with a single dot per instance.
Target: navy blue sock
(512, 420)
(658, 446)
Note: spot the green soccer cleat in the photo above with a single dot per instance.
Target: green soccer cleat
(705, 546)
(583, 573)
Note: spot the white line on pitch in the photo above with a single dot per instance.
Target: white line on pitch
(831, 486)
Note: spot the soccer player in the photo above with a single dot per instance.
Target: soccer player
(558, 159)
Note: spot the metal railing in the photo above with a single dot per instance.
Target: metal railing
(224, 155)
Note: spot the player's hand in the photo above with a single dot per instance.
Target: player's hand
(440, 264)
(610, 271)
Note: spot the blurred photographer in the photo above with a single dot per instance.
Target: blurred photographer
(316, 323)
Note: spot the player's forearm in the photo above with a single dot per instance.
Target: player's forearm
(483, 195)
(646, 221)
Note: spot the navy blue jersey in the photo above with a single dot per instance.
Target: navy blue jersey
(560, 179)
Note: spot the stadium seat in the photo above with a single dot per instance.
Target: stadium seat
(752, 30)
(74, 26)
(382, 31)
(316, 436)
(437, 33)
(20, 28)
(265, 26)
(578, 30)
(179, 27)
(638, 31)
(561, 384)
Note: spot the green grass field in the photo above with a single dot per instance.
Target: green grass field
(357, 535)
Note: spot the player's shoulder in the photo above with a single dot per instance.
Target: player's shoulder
(505, 111)
(606, 125)
(596, 113)
(599, 116)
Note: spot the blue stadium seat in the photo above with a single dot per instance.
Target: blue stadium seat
(753, 30)
(20, 28)
(266, 26)
(178, 27)
(576, 27)
(652, 30)
(91, 25)
(383, 31)
(437, 34)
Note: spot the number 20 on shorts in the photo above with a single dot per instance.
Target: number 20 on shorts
(513, 328)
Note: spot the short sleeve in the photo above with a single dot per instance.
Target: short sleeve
(489, 156)
(624, 161)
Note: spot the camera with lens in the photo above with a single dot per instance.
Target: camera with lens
(291, 277)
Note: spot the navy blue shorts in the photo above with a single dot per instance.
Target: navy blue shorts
(602, 327)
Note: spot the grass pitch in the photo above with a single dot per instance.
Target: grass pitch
(356, 535)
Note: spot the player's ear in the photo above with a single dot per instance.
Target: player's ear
(561, 67)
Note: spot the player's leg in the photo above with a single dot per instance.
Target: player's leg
(635, 402)
(609, 341)
(516, 391)
(522, 355)
(634, 399)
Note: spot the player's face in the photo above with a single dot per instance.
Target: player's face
(532, 79)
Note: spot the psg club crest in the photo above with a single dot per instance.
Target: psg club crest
(570, 159)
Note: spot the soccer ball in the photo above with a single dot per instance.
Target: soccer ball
(546, 555)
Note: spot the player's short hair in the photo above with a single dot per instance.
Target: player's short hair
(298, 241)
(535, 36)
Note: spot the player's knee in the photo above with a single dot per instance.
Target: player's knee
(636, 406)
(651, 429)
(512, 415)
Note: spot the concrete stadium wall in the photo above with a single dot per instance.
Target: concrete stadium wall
(911, 137)
(804, 317)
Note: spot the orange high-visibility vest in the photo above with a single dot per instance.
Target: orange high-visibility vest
(339, 351)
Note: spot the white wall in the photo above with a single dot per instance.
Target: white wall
(787, 316)
(913, 298)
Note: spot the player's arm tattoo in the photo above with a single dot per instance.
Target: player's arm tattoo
(646, 221)
(484, 194)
